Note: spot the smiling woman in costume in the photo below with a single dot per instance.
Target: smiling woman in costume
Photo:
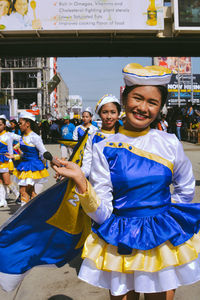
(145, 239)
(108, 108)
(30, 169)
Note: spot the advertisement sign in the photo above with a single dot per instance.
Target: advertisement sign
(180, 65)
(184, 87)
(82, 15)
(187, 15)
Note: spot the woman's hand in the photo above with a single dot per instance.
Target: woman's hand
(73, 171)
(8, 155)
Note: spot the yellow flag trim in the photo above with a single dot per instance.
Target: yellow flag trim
(70, 216)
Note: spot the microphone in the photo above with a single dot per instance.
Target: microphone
(48, 156)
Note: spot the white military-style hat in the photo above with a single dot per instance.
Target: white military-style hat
(27, 115)
(88, 109)
(135, 74)
(7, 121)
(3, 117)
(104, 100)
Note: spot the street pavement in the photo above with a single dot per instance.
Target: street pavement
(47, 283)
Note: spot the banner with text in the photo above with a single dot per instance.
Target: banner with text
(87, 15)
(184, 87)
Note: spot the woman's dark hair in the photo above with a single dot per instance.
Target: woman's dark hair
(117, 125)
(3, 121)
(33, 125)
(163, 91)
(118, 106)
(16, 125)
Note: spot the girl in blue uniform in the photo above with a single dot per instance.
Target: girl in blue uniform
(145, 239)
(30, 169)
(14, 133)
(108, 108)
(5, 165)
(79, 131)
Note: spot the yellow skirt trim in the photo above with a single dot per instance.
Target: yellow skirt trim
(29, 174)
(10, 165)
(7, 165)
(106, 257)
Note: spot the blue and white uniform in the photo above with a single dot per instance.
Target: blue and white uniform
(31, 169)
(94, 138)
(144, 238)
(67, 133)
(79, 131)
(6, 146)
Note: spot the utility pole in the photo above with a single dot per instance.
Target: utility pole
(44, 110)
(179, 98)
(192, 94)
(12, 94)
(39, 86)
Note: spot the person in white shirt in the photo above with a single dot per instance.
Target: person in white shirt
(79, 131)
(164, 123)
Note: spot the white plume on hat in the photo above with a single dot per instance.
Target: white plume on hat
(27, 115)
(135, 74)
(104, 100)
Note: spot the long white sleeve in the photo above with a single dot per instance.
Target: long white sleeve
(183, 179)
(87, 157)
(37, 141)
(75, 134)
(10, 145)
(14, 136)
(101, 182)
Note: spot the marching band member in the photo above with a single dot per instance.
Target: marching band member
(79, 131)
(5, 164)
(108, 108)
(145, 238)
(30, 169)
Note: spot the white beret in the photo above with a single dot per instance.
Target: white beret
(27, 115)
(3, 117)
(104, 100)
(88, 109)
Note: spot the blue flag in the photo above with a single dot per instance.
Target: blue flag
(48, 230)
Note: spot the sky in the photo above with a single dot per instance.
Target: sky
(93, 77)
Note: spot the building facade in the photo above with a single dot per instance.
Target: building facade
(25, 80)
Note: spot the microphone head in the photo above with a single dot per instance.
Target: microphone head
(47, 155)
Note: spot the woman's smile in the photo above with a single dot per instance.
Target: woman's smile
(142, 106)
(139, 116)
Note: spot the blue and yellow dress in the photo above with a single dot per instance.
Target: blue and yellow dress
(31, 169)
(144, 237)
(94, 138)
(80, 130)
(5, 147)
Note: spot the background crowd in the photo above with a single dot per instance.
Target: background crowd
(181, 120)
(177, 120)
